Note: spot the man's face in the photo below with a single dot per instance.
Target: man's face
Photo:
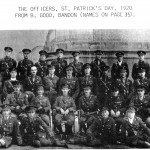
(76, 57)
(87, 92)
(13, 74)
(65, 91)
(51, 71)
(142, 74)
(141, 57)
(120, 58)
(33, 70)
(26, 54)
(8, 53)
(115, 93)
(140, 92)
(60, 55)
(131, 114)
(42, 57)
(31, 114)
(105, 72)
(87, 70)
(69, 72)
(105, 114)
(17, 88)
(98, 56)
(123, 74)
(6, 112)
(40, 91)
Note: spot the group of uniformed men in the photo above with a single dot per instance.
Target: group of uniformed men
(111, 110)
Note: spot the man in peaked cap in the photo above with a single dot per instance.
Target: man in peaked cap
(71, 81)
(7, 63)
(65, 107)
(24, 66)
(115, 70)
(142, 80)
(9, 128)
(134, 131)
(140, 64)
(97, 64)
(59, 63)
(76, 64)
(42, 64)
(50, 83)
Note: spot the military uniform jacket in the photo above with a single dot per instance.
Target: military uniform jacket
(115, 70)
(77, 68)
(88, 81)
(30, 128)
(65, 103)
(60, 66)
(42, 68)
(104, 85)
(144, 82)
(116, 103)
(6, 64)
(142, 106)
(96, 67)
(24, 68)
(125, 87)
(51, 84)
(136, 67)
(104, 129)
(9, 129)
(43, 102)
(73, 84)
(131, 132)
(88, 105)
(30, 85)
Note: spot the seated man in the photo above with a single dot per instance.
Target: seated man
(88, 105)
(134, 131)
(141, 103)
(65, 107)
(17, 99)
(34, 131)
(102, 131)
(9, 128)
(43, 104)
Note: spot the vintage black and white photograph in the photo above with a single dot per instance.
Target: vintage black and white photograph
(75, 89)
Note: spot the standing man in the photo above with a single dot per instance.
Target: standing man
(9, 128)
(24, 66)
(116, 67)
(59, 63)
(97, 64)
(7, 63)
(76, 64)
(140, 64)
(42, 64)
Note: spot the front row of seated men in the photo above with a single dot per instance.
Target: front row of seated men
(28, 122)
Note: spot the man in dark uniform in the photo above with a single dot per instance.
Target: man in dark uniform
(141, 103)
(115, 70)
(102, 131)
(17, 99)
(134, 131)
(42, 64)
(142, 80)
(65, 107)
(76, 64)
(50, 83)
(7, 63)
(141, 64)
(9, 128)
(34, 130)
(125, 85)
(72, 82)
(97, 64)
(59, 63)
(88, 106)
(104, 84)
(24, 66)
(31, 82)
(88, 80)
